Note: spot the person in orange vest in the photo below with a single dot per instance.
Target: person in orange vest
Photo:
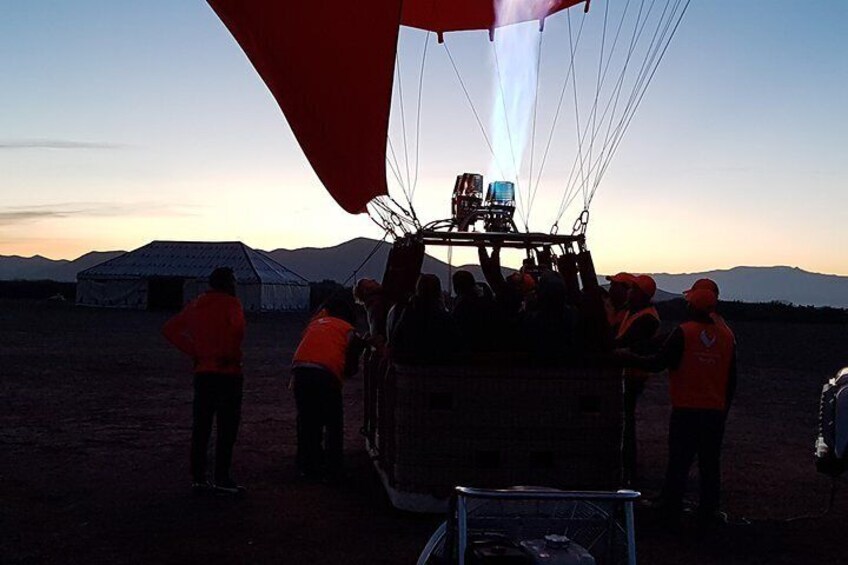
(616, 305)
(637, 330)
(700, 355)
(327, 354)
(711, 285)
(210, 329)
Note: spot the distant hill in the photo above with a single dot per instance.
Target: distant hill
(40, 268)
(768, 284)
(338, 262)
(746, 284)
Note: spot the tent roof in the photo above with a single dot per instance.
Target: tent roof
(191, 259)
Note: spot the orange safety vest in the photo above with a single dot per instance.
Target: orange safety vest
(700, 380)
(630, 319)
(615, 317)
(324, 345)
(719, 320)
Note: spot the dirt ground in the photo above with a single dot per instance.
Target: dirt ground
(95, 422)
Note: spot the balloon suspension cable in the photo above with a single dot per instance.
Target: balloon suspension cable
(376, 248)
(586, 174)
(665, 31)
(571, 191)
(393, 217)
(644, 87)
(354, 273)
(379, 221)
(418, 117)
(450, 270)
(531, 192)
(568, 79)
(408, 177)
(409, 213)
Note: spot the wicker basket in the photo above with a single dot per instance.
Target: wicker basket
(437, 427)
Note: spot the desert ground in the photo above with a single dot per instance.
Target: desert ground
(95, 421)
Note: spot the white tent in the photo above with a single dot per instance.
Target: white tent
(168, 274)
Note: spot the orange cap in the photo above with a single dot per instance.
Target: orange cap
(646, 284)
(701, 299)
(623, 278)
(524, 281)
(706, 284)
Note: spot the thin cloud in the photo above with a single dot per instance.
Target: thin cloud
(12, 215)
(13, 144)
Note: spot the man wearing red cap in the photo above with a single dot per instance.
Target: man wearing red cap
(711, 285)
(636, 332)
(619, 289)
(701, 358)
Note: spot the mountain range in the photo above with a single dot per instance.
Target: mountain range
(346, 262)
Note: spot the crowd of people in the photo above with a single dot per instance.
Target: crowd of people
(536, 314)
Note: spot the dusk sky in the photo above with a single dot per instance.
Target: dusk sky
(124, 122)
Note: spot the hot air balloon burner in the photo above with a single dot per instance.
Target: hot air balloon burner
(467, 199)
(469, 207)
(500, 207)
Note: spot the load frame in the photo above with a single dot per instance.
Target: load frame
(516, 240)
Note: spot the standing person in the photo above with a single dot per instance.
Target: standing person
(710, 284)
(616, 305)
(370, 294)
(328, 353)
(701, 357)
(210, 329)
(422, 331)
(508, 293)
(475, 314)
(636, 331)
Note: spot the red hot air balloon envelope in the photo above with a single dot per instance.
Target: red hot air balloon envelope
(330, 66)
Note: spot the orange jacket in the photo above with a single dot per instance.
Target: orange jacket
(210, 329)
(324, 344)
(701, 378)
(631, 317)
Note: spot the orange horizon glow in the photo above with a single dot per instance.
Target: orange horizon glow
(611, 237)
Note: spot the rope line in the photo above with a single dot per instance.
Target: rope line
(666, 28)
(367, 258)
(418, 118)
(599, 82)
(403, 120)
(570, 192)
(576, 105)
(531, 190)
(642, 93)
(565, 83)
